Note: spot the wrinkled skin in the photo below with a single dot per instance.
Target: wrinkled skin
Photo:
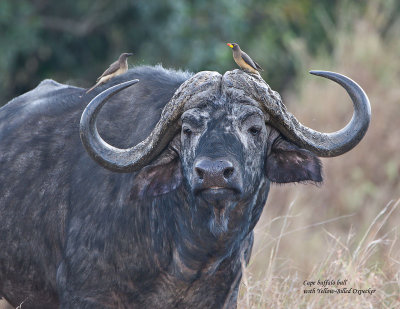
(172, 235)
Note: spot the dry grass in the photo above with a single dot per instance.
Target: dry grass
(339, 230)
(345, 265)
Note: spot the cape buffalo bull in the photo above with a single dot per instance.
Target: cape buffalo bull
(167, 222)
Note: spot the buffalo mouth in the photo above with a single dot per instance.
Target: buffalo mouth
(217, 195)
(219, 201)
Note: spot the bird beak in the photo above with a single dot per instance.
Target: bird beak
(230, 45)
(129, 54)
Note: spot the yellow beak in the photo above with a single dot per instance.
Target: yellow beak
(230, 45)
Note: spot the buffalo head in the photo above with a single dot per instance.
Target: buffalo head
(223, 139)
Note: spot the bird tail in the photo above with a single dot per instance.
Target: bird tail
(97, 84)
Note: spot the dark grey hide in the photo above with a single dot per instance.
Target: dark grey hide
(171, 235)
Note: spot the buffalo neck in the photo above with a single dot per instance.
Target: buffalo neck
(199, 247)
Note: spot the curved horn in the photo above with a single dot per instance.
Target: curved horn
(112, 158)
(329, 144)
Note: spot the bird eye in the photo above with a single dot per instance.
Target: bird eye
(254, 130)
(187, 131)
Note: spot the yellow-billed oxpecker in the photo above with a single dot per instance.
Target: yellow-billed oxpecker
(116, 68)
(243, 60)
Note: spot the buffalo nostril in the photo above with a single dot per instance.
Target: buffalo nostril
(200, 172)
(228, 172)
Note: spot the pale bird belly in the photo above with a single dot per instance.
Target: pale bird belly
(106, 78)
(240, 62)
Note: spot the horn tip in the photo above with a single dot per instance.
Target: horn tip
(124, 85)
(133, 81)
(318, 72)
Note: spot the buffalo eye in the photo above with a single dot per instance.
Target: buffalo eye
(187, 131)
(254, 130)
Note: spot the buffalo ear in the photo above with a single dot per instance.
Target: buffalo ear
(162, 176)
(289, 163)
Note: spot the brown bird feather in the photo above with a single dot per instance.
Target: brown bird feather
(243, 60)
(116, 68)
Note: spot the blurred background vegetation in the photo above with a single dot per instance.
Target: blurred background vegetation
(74, 41)
(306, 232)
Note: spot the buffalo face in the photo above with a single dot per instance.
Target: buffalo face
(223, 148)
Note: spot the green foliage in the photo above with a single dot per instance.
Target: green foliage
(74, 41)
